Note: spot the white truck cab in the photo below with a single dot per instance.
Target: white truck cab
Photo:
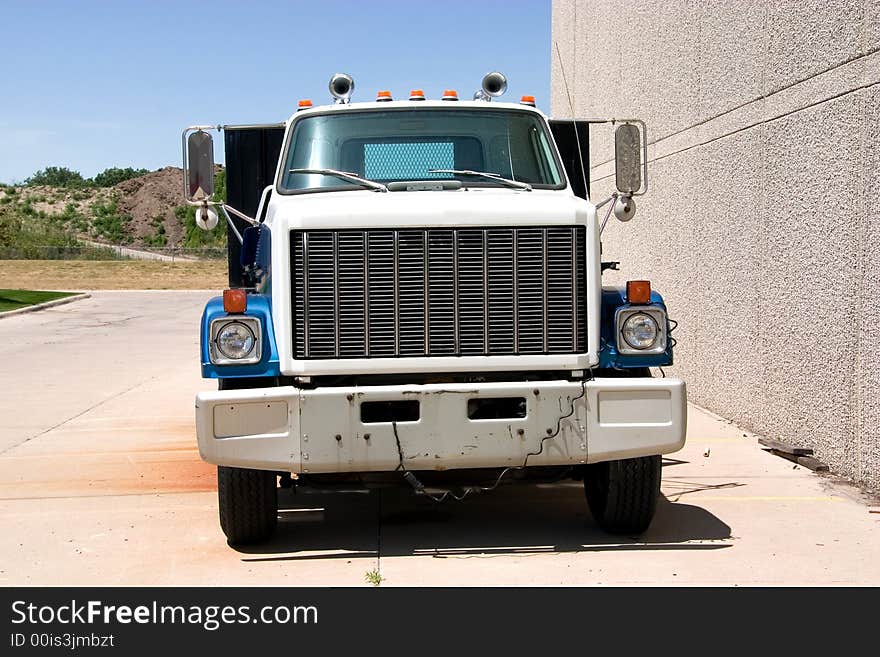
(416, 299)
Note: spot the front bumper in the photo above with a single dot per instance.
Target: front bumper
(321, 431)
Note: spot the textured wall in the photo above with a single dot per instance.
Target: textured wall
(762, 223)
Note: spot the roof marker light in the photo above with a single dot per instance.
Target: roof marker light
(383, 97)
(450, 94)
(304, 104)
(417, 94)
(527, 100)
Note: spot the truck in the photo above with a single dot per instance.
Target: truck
(415, 299)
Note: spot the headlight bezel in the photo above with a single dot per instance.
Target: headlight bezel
(253, 324)
(657, 313)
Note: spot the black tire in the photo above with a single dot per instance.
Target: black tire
(622, 495)
(248, 504)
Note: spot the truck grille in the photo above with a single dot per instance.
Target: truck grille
(438, 292)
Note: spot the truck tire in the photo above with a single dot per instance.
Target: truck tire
(622, 495)
(248, 504)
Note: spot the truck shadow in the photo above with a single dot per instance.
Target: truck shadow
(524, 519)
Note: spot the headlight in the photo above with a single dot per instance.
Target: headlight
(235, 341)
(641, 330)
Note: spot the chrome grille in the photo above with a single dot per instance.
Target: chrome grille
(438, 292)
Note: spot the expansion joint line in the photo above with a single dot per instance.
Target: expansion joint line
(80, 414)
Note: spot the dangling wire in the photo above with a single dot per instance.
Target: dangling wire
(674, 325)
(419, 487)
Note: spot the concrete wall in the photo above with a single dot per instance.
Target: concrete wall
(762, 224)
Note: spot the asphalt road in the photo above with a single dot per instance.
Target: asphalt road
(101, 483)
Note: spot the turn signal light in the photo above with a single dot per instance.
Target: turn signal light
(527, 100)
(450, 94)
(304, 104)
(417, 94)
(383, 96)
(234, 301)
(638, 291)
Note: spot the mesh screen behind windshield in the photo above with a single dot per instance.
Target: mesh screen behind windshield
(408, 160)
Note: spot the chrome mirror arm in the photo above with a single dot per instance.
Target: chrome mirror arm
(611, 199)
(231, 223)
(240, 215)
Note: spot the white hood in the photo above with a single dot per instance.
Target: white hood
(450, 208)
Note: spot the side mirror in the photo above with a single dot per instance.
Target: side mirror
(250, 239)
(200, 166)
(628, 159)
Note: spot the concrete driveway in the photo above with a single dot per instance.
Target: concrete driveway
(101, 483)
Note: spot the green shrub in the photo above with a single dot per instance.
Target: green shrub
(10, 227)
(108, 223)
(80, 195)
(158, 238)
(27, 208)
(11, 193)
(71, 218)
(220, 185)
(27, 236)
(57, 177)
(115, 175)
(38, 238)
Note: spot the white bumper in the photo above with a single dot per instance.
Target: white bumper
(320, 431)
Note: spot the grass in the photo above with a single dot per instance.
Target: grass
(114, 274)
(15, 299)
(373, 577)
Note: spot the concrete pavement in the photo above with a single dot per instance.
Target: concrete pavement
(100, 483)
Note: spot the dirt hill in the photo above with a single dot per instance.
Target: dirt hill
(147, 211)
(150, 202)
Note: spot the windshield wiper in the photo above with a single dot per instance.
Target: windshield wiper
(516, 184)
(371, 184)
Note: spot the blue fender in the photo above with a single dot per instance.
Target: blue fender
(259, 306)
(612, 299)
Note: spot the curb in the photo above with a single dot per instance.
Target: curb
(47, 304)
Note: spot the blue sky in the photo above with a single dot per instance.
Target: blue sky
(90, 85)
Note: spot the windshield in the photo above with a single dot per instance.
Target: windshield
(403, 145)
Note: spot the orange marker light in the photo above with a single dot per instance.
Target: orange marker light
(234, 301)
(304, 104)
(450, 94)
(383, 97)
(417, 94)
(638, 291)
(527, 100)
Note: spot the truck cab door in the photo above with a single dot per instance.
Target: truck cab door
(568, 135)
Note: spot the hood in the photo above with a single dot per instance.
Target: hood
(449, 208)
